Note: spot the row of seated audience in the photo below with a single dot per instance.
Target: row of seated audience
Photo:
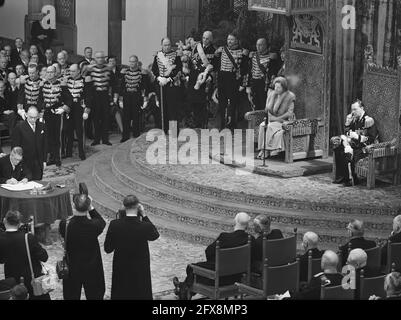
(131, 275)
(351, 254)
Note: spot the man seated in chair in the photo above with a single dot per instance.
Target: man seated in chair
(227, 240)
(262, 225)
(13, 169)
(310, 243)
(395, 237)
(330, 277)
(358, 260)
(356, 231)
(349, 149)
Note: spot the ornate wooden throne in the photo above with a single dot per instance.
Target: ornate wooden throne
(382, 97)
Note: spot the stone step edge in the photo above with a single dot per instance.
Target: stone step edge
(180, 184)
(227, 226)
(228, 209)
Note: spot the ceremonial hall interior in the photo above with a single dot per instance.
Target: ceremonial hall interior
(200, 150)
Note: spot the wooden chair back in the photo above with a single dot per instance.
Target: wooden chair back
(393, 256)
(314, 266)
(280, 252)
(279, 280)
(371, 286)
(233, 261)
(337, 293)
(374, 258)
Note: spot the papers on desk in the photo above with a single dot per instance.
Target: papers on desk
(22, 186)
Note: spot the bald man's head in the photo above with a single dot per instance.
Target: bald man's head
(330, 262)
(207, 38)
(61, 58)
(357, 258)
(166, 45)
(261, 45)
(100, 58)
(32, 115)
(74, 71)
(51, 73)
(310, 241)
(242, 221)
(356, 228)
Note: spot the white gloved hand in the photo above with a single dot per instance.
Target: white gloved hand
(249, 90)
(364, 139)
(85, 116)
(354, 135)
(349, 150)
(60, 111)
(163, 81)
(22, 113)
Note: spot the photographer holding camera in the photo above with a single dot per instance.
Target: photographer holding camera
(128, 238)
(83, 251)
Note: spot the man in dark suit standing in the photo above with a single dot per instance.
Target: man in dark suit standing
(83, 251)
(30, 135)
(128, 238)
(16, 52)
(13, 169)
(227, 240)
(310, 244)
(262, 225)
(13, 254)
(356, 231)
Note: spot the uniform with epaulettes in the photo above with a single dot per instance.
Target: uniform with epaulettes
(258, 81)
(231, 77)
(170, 94)
(366, 129)
(79, 90)
(30, 94)
(55, 97)
(134, 85)
(103, 86)
(198, 96)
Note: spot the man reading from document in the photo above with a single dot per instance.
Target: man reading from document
(13, 169)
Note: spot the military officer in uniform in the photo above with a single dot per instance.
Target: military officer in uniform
(258, 80)
(360, 132)
(233, 66)
(29, 93)
(103, 87)
(56, 102)
(79, 90)
(167, 68)
(201, 66)
(134, 87)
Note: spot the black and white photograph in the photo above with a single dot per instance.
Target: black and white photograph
(204, 154)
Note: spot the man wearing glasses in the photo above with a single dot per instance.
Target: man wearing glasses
(30, 135)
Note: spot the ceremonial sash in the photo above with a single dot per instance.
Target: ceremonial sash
(261, 66)
(202, 55)
(166, 63)
(230, 56)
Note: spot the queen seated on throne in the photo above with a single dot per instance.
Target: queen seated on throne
(279, 109)
(350, 148)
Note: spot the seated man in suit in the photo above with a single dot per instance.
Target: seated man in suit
(358, 260)
(360, 132)
(262, 225)
(356, 231)
(395, 237)
(13, 169)
(227, 240)
(330, 277)
(310, 243)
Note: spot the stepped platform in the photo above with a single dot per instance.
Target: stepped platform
(197, 202)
